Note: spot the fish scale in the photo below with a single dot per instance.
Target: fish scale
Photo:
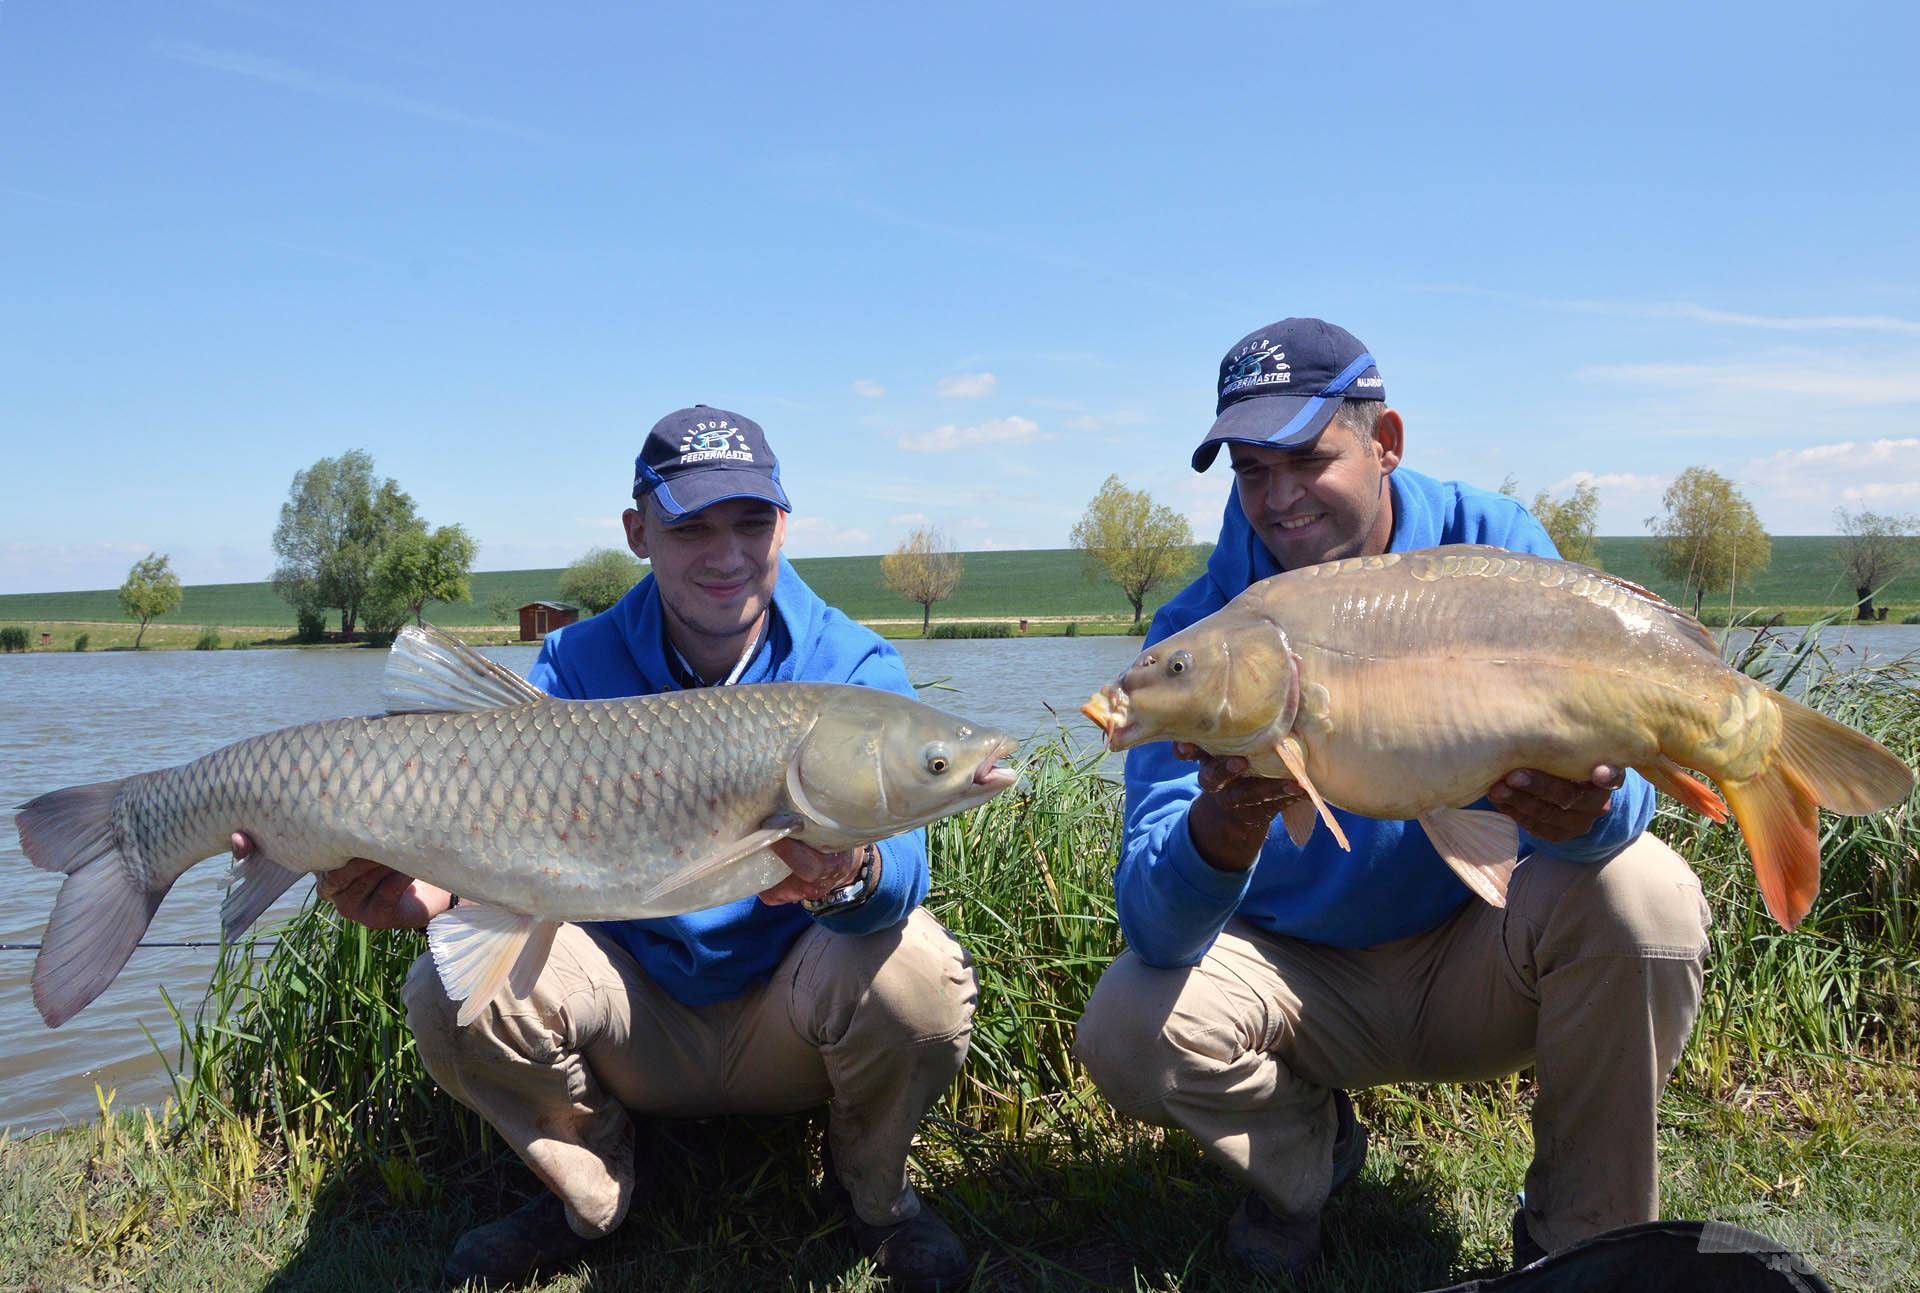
(545, 810)
(1423, 677)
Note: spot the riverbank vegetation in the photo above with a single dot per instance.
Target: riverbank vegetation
(306, 1148)
(1807, 579)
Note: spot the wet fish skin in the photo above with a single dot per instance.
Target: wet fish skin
(548, 809)
(1402, 686)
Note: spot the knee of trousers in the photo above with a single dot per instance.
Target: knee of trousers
(909, 984)
(1135, 1040)
(431, 1014)
(1644, 901)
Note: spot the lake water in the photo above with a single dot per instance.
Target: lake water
(67, 719)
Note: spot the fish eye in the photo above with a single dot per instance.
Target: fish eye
(1179, 662)
(938, 759)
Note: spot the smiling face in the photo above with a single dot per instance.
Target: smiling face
(1325, 500)
(715, 569)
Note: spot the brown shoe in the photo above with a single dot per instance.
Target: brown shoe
(533, 1237)
(920, 1254)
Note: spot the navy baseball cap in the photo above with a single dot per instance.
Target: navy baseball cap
(696, 457)
(1280, 386)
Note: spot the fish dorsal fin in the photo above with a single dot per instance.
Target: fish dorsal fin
(478, 950)
(429, 672)
(1289, 752)
(1482, 848)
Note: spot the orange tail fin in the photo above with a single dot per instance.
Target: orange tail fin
(1780, 818)
(1817, 763)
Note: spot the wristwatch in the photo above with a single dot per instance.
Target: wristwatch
(850, 895)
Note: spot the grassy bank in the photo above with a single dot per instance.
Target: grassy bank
(308, 1151)
(1804, 582)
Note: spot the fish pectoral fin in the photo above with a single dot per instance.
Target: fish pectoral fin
(776, 829)
(430, 672)
(1289, 752)
(478, 949)
(1299, 816)
(1482, 848)
(251, 889)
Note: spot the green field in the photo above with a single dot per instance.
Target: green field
(1806, 574)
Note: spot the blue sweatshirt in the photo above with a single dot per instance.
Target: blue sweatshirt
(718, 954)
(1173, 904)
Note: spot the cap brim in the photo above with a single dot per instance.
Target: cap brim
(697, 490)
(1273, 421)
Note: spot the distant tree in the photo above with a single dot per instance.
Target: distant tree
(416, 568)
(923, 569)
(1709, 536)
(333, 526)
(151, 589)
(502, 608)
(600, 578)
(1570, 521)
(1137, 543)
(1875, 549)
(1510, 486)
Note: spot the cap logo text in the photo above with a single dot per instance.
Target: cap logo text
(714, 442)
(1258, 363)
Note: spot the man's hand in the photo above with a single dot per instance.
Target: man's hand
(370, 894)
(1553, 809)
(1234, 814)
(815, 874)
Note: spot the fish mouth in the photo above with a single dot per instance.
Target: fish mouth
(990, 775)
(1107, 709)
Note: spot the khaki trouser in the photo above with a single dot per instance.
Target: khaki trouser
(1591, 973)
(875, 1027)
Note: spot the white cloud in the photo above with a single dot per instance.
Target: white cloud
(867, 388)
(951, 438)
(966, 386)
(812, 535)
(1624, 482)
(1850, 471)
(1787, 377)
(908, 520)
(256, 67)
(1694, 312)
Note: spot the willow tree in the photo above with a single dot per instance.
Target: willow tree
(1137, 543)
(1875, 548)
(151, 589)
(1709, 536)
(336, 521)
(600, 578)
(923, 569)
(1571, 521)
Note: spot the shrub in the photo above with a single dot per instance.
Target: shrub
(1912, 617)
(209, 639)
(312, 626)
(971, 631)
(80, 643)
(13, 638)
(1073, 628)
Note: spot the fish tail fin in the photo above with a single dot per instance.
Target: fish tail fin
(102, 909)
(1780, 818)
(1847, 772)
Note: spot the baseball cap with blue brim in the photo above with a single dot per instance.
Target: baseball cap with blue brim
(696, 457)
(1281, 385)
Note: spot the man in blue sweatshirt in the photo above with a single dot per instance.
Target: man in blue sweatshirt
(834, 987)
(1264, 980)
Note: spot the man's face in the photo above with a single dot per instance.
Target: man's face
(1325, 500)
(715, 568)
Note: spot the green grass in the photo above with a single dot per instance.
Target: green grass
(308, 1150)
(1805, 578)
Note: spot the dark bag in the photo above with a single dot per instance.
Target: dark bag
(1663, 1257)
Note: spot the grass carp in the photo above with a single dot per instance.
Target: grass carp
(1403, 686)
(535, 810)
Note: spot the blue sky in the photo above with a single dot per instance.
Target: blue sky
(961, 262)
